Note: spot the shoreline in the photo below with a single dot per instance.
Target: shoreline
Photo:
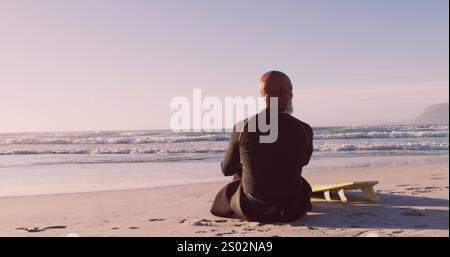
(139, 176)
(414, 202)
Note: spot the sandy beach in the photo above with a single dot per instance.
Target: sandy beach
(414, 202)
(120, 119)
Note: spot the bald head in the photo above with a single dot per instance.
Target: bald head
(272, 83)
(277, 84)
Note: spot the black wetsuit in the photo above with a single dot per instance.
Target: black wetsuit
(267, 174)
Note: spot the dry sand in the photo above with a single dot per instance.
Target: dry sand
(414, 202)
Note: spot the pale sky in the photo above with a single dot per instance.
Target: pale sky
(110, 64)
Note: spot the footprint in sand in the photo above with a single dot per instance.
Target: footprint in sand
(422, 189)
(33, 229)
(38, 229)
(220, 221)
(366, 233)
(55, 227)
(202, 222)
(227, 233)
(156, 219)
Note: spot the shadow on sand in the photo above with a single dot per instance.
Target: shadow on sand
(391, 212)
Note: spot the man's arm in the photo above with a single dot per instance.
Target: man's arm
(309, 143)
(231, 163)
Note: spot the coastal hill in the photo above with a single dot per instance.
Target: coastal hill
(434, 114)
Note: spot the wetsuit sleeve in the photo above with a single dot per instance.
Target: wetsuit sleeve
(231, 163)
(309, 143)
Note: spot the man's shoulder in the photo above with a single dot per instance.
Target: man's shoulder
(301, 123)
(242, 126)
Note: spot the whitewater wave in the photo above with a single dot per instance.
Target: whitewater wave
(207, 138)
(110, 140)
(113, 151)
(384, 134)
(429, 146)
(382, 128)
(323, 147)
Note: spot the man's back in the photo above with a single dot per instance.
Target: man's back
(271, 171)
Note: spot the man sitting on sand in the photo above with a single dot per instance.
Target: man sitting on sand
(267, 185)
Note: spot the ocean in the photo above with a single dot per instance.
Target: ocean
(357, 145)
(71, 162)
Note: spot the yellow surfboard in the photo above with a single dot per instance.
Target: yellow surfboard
(365, 186)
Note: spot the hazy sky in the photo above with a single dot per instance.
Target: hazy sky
(105, 64)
